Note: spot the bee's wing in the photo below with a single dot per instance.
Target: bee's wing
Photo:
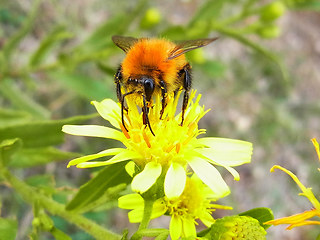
(125, 43)
(186, 46)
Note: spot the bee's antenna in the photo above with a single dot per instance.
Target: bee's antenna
(145, 111)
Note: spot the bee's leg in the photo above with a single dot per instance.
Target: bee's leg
(187, 80)
(164, 97)
(117, 80)
(123, 107)
(145, 111)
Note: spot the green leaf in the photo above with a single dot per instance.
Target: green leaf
(57, 35)
(8, 229)
(101, 37)
(40, 133)
(14, 40)
(83, 85)
(110, 176)
(59, 235)
(119, 24)
(30, 157)
(20, 99)
(11, 117)
(261, 214)
(7, 148)
(44, 182)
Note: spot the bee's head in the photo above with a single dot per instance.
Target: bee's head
(148, 84)
(145, 84)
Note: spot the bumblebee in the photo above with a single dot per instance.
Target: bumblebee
(154, 66)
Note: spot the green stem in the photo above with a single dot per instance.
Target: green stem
(234, 34)
(148, 205)
(242, 15)
(31, 196)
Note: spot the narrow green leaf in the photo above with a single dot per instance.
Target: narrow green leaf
(57, 35)
(13, 41)
(7, 148)
(30, 157)
(261, 214)
(20, 99)
(8, 229)
(40, 133)
(108, 177)
(84, 85)
(43, 180)
(101, 37)
(10, 117)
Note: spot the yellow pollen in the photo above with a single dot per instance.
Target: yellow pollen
(170, 148)
(125, 132)
(178, 145)
(146, 139)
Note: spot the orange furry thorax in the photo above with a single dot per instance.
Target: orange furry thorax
(149, 57)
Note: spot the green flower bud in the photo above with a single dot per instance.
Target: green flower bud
(36, 222)
(269, 31)
(237, 228)
(151, 18)
(272, 11)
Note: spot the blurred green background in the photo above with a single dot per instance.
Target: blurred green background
(260, 79)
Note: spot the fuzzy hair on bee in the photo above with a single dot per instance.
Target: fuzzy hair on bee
(154, 66)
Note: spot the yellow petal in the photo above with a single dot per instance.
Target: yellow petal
(224, 151)
(108, 152)
(93, 131)
(294, 219)
(189, 229)
(175, 227)
(109, 110)
(136, 215)
(158, 209)
(207, 219)
(120, 157)
(131, 168)
(210, 176)
(130, 201)
(307, 192)
(144, 180)
(316, 146)
(175, 181)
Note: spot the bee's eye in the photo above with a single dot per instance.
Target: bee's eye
(148, 88)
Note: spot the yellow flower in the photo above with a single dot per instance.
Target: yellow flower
(300, 219)
(169, 152)
(316, 146)
(194, 203)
